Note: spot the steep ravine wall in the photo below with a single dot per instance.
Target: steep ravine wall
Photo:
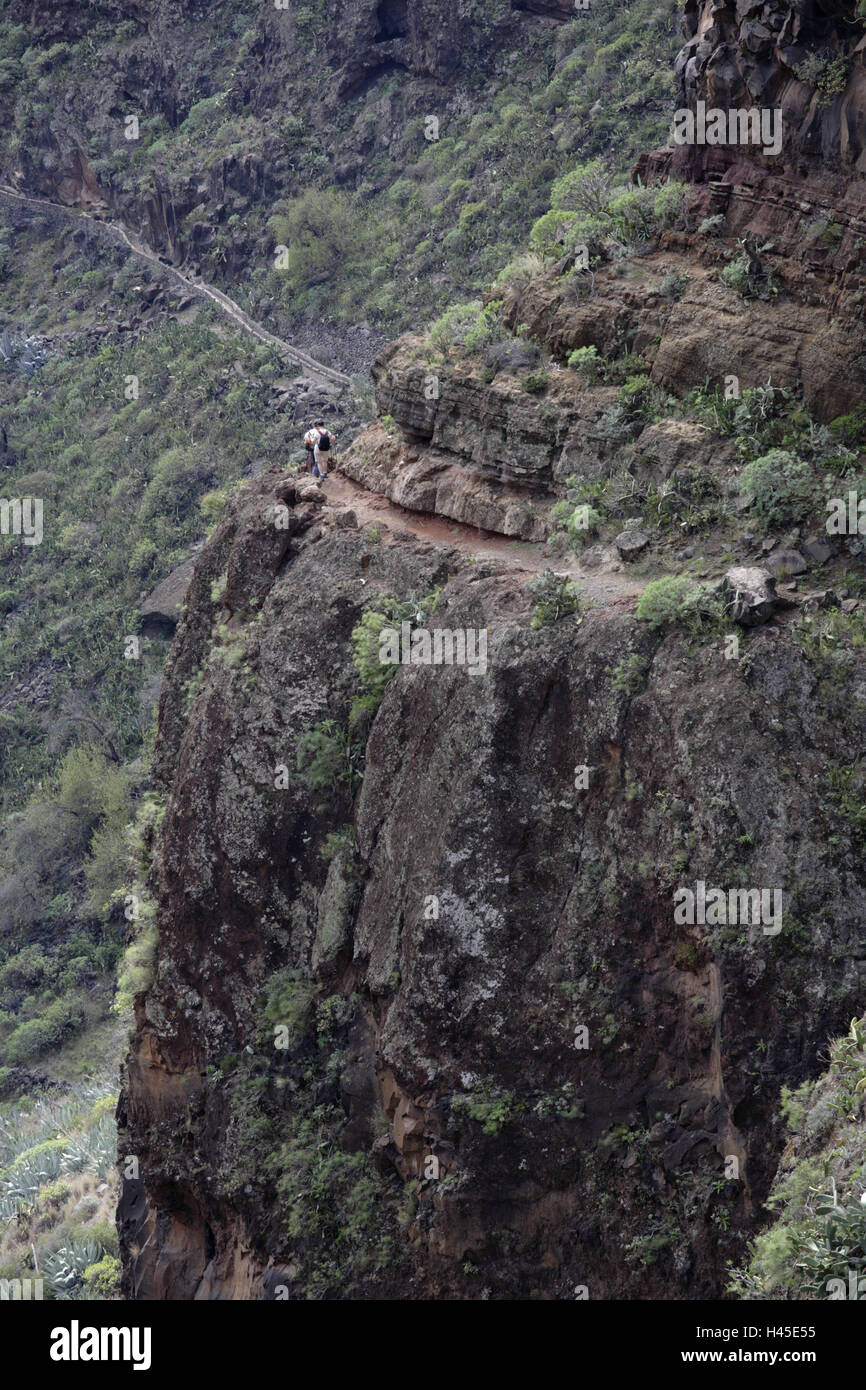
(435, 46)
(362, 1074)
(803, 66)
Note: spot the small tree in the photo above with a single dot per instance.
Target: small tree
(779, 486)
(585, 189)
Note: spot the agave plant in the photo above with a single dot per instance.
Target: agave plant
(64, 1268)
(836, 1246)
(848, 1058)
(28, 1162)
(95, 1150)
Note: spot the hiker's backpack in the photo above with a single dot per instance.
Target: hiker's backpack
(324, 441)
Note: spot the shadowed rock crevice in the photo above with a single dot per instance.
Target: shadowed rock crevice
(392, 20)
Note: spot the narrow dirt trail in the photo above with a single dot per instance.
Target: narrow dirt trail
(193, 284)
(602, 587)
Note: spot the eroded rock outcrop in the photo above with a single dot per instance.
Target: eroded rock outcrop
(426, 1021)
(806, 59)
(440, 1033)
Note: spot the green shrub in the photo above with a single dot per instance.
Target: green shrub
(829, 76)
(490, 1106)
(588, 210)
(588, 362)
(373, 673)
(471, 326)
(102, 1279)
(549, 232)
(138, 966)
(288, 1003)
(202, 111)
(779, 486)
(519, 271)
(585, 189)
(736, 276)
(594, 233)
(329, 757)
(632, 215)
(555, 598)
(670, 205)
(675, 599)
(640, 399)
(177, 479)
(23, 970)
(60, 1019)
(212, 506)
(793, 1104)
(630, 674)
(673, 285)
(142, 558)
(584, 520)
(850, 429)
(321, 247)
(338, 842)
(106, 866)
(330, 1200)
(745, 275)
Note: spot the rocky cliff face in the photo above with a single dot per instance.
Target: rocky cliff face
(470, 440)
(804, 62)
(805, 59)
(474, 446)
(433, 1029)
(808, 339)
(424, 1021)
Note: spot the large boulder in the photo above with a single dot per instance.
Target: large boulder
(784, 564)
(751, 594)
(631, 542)
(161, 609)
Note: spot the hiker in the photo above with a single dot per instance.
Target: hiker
(322, 450)
(311, 438)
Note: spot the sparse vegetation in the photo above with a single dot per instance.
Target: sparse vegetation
(779, 486)
(555, 597)
(489, 1106)
(816, 1246)
(676, 599)
(57, 1158)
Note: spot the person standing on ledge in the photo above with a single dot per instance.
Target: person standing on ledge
(311, 439)
(322, 450)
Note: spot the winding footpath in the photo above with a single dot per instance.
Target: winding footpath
(193, 284)
(603, 587)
